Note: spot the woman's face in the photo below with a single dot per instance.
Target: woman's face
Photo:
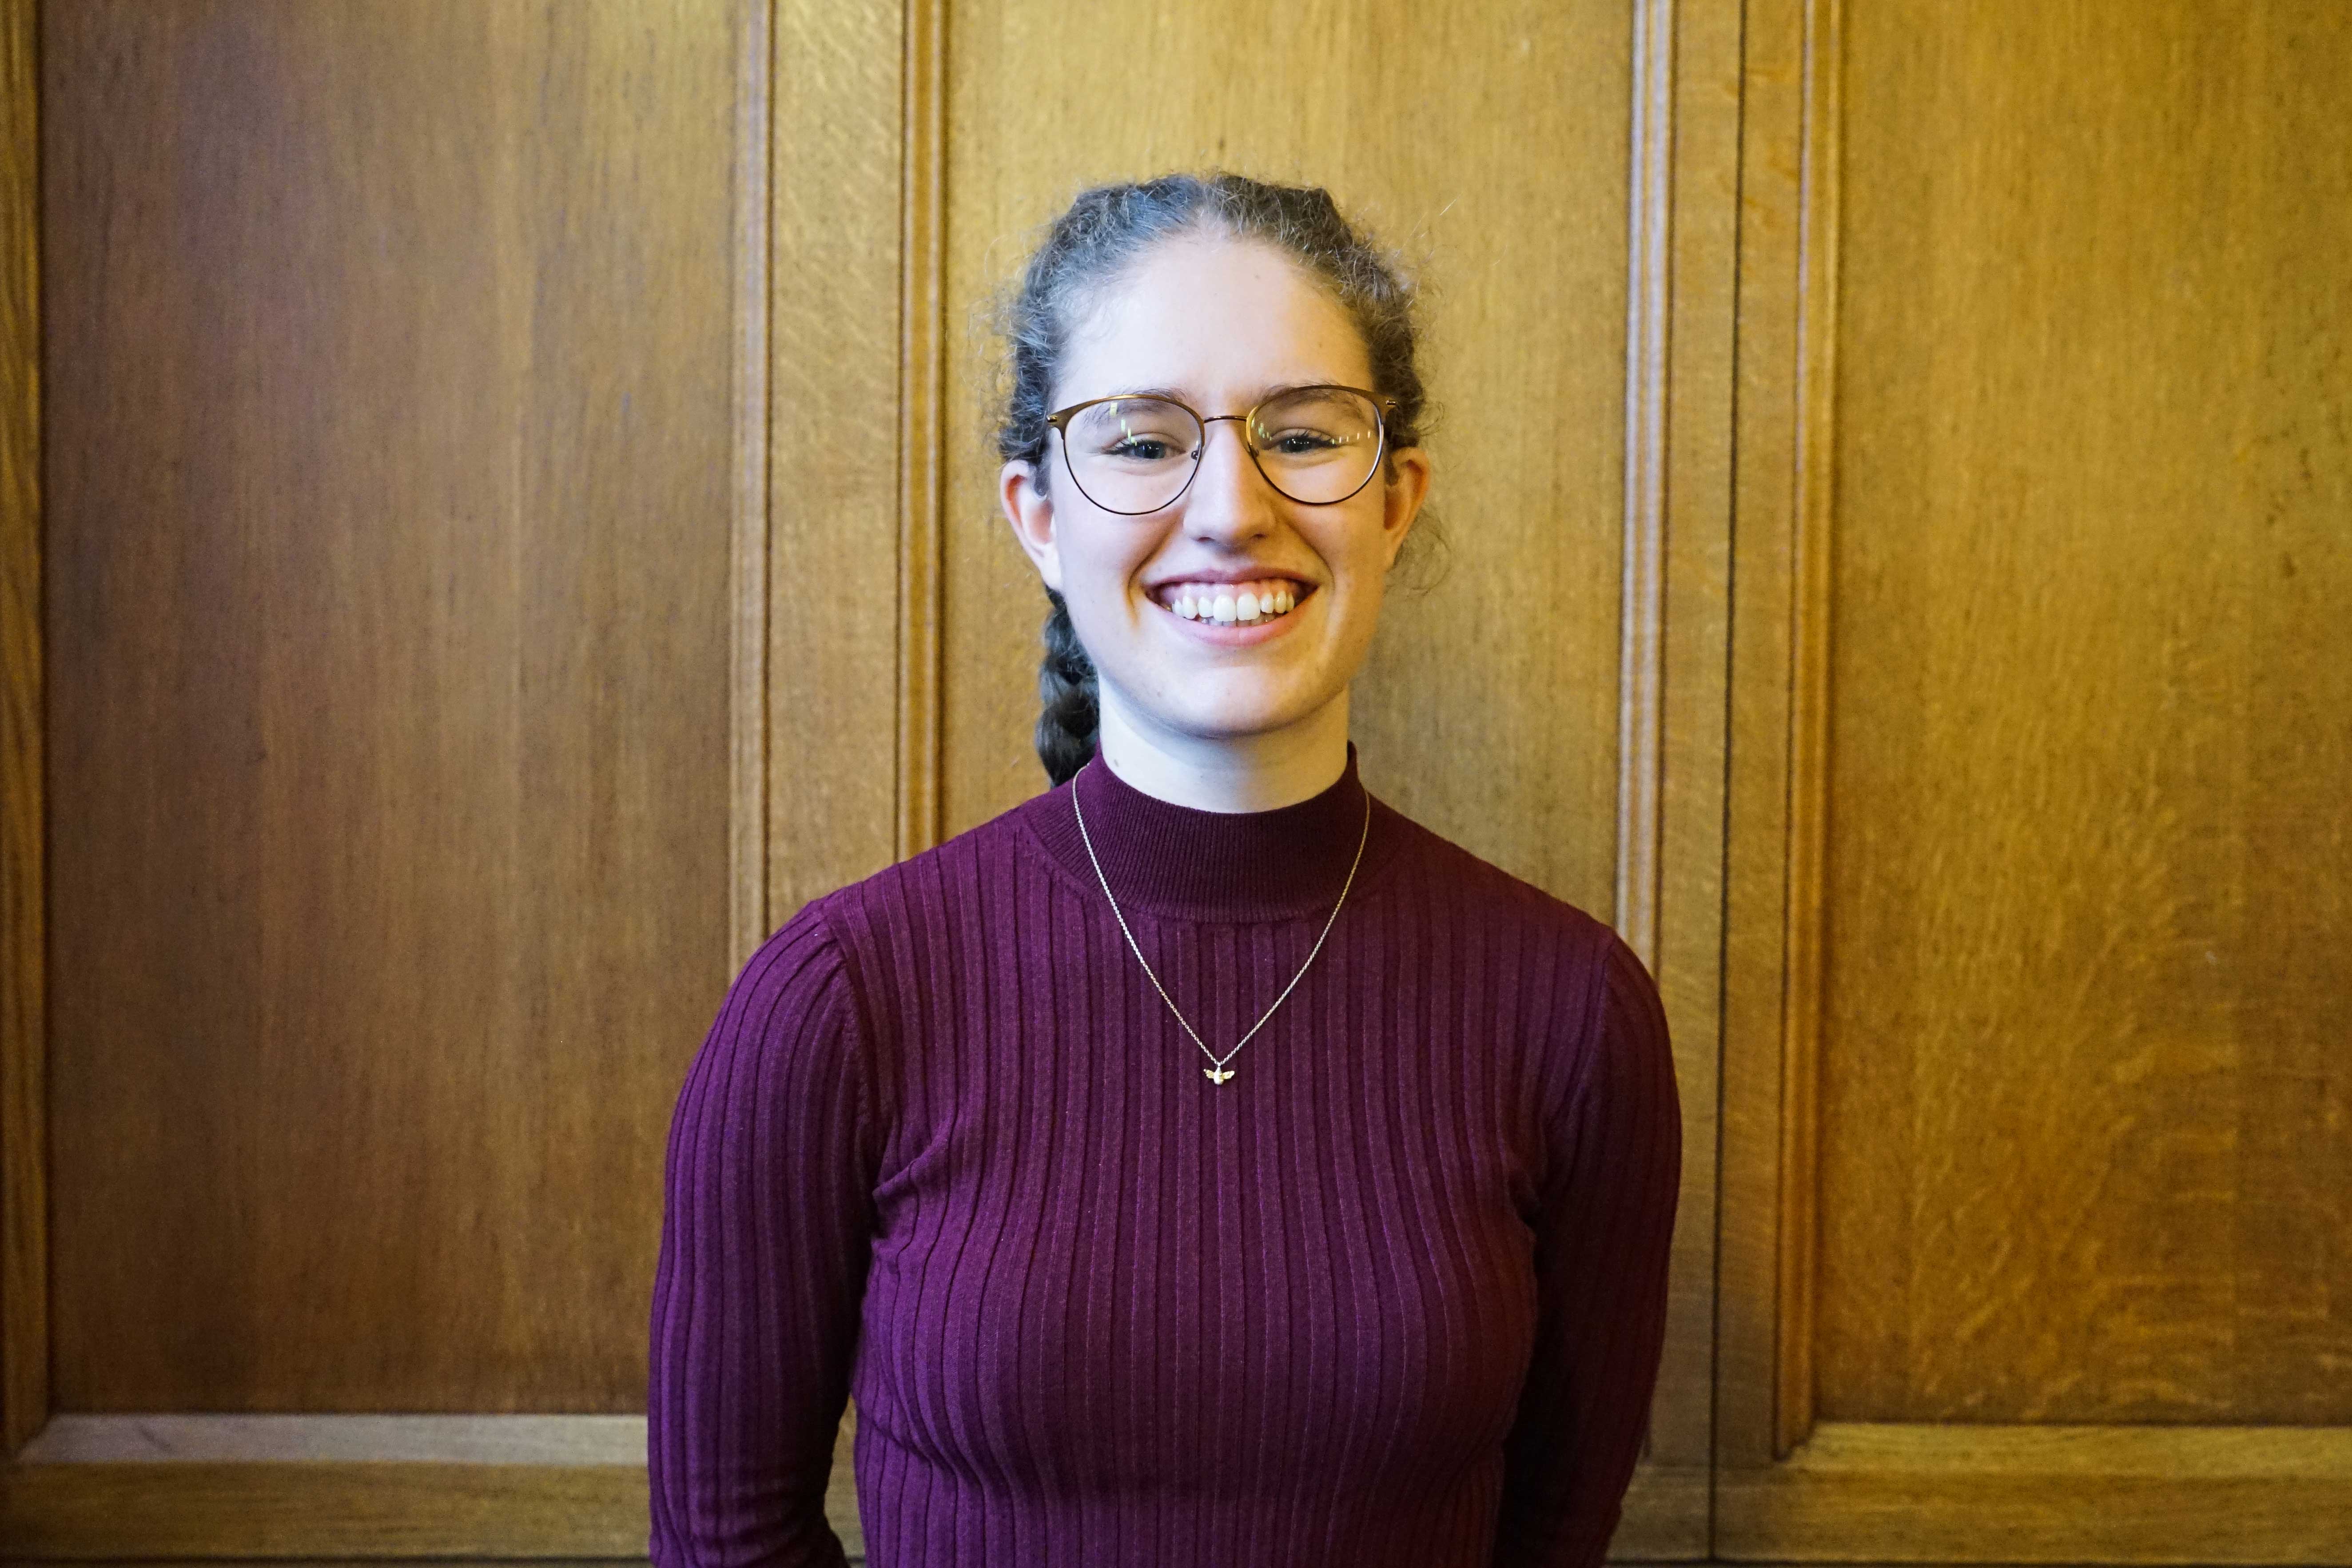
(1221, 324)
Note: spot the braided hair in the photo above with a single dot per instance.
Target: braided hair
(1102, 233)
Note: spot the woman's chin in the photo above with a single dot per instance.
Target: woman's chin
(1247, 715)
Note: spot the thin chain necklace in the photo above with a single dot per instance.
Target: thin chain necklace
(1217, 1070)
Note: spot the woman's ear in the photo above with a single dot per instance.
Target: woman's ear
(1031, 512)
(1407, 488)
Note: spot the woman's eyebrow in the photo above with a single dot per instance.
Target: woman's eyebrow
(1179, 395)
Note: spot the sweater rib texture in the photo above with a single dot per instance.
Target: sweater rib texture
(1392, 1295)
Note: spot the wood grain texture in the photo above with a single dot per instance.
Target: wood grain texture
(747, 586)
(922, 274)
(1489, 707)
(391, 370)
(544, 1440)
(1696, 596)
(24, 1029)
(313, 1562)
(1641, 606)
(833, 594)
(370, 1510)
(1756, 887)
(2087, 1109)
(2079, 1159)
(1962, 1493)
(1813, 546)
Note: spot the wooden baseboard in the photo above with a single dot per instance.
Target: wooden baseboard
(1861, 1492)
(181, 1509)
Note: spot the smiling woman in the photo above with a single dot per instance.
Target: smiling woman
(1389, 1288)
(1212, 714)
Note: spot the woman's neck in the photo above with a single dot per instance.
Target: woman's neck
(1224, 772)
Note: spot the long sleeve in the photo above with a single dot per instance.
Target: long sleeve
(766, 1236)
(1601, 1245)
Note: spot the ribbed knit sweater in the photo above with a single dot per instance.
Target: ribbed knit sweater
(1393, 1294)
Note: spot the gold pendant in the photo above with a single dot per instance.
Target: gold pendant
(1218, 1075)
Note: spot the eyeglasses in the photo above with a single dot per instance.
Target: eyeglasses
(1137, 452)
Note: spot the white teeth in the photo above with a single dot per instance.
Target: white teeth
(1229, 604)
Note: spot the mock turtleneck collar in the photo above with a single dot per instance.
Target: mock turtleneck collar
(1178, 860)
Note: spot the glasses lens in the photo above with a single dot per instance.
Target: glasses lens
(1131, 454)
(1319, 444)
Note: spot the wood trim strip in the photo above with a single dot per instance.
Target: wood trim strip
(1809, 743)
(368, 1510)
(837, 325)
(1695, 646)
(636, 1561)
(748, 583)
(23, 937)
(347, 1488)
(547, 1440)
(1648, 302)
(1754, 1183)
(921, 424)
(2046, 1494)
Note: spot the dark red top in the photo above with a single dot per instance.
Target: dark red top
(1393, 1294)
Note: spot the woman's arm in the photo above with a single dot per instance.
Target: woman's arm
(1601, 1241)
(766, 1234)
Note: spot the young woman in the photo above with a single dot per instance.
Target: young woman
(1201, 1162)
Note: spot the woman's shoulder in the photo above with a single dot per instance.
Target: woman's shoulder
(1579, 970)
(920, 886)
(1453, 882)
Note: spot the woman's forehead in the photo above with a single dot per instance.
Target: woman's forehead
(1215, 319)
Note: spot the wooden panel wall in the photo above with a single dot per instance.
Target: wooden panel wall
(2090, 876)
(2035, 1139)
(404, 602)
(23, 1089)
(388, 629)
(389, 690)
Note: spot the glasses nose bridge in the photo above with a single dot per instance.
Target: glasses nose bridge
(1249, 448)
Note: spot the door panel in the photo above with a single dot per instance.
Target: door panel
(2036, 1153)
(2090, 880)
(390, 372)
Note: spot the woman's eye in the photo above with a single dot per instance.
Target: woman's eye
(1143, 448)
(1298, 443)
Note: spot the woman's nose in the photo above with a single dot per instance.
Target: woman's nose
(1229, 499)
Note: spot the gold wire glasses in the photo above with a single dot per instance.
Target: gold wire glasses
(1137, 452)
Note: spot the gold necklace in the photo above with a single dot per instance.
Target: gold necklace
(1218, 1071)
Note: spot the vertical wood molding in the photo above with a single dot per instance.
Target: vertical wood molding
(1695, 591)
(921, 422)
(1809, 725)
(748, 586)
(1649, 297)
(837, 329)
(1754, 998)
(24, 1162)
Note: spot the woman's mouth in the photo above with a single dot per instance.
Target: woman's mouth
(1230, 604)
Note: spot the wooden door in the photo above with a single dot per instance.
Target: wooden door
(2038, 1165)
(373, 659)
